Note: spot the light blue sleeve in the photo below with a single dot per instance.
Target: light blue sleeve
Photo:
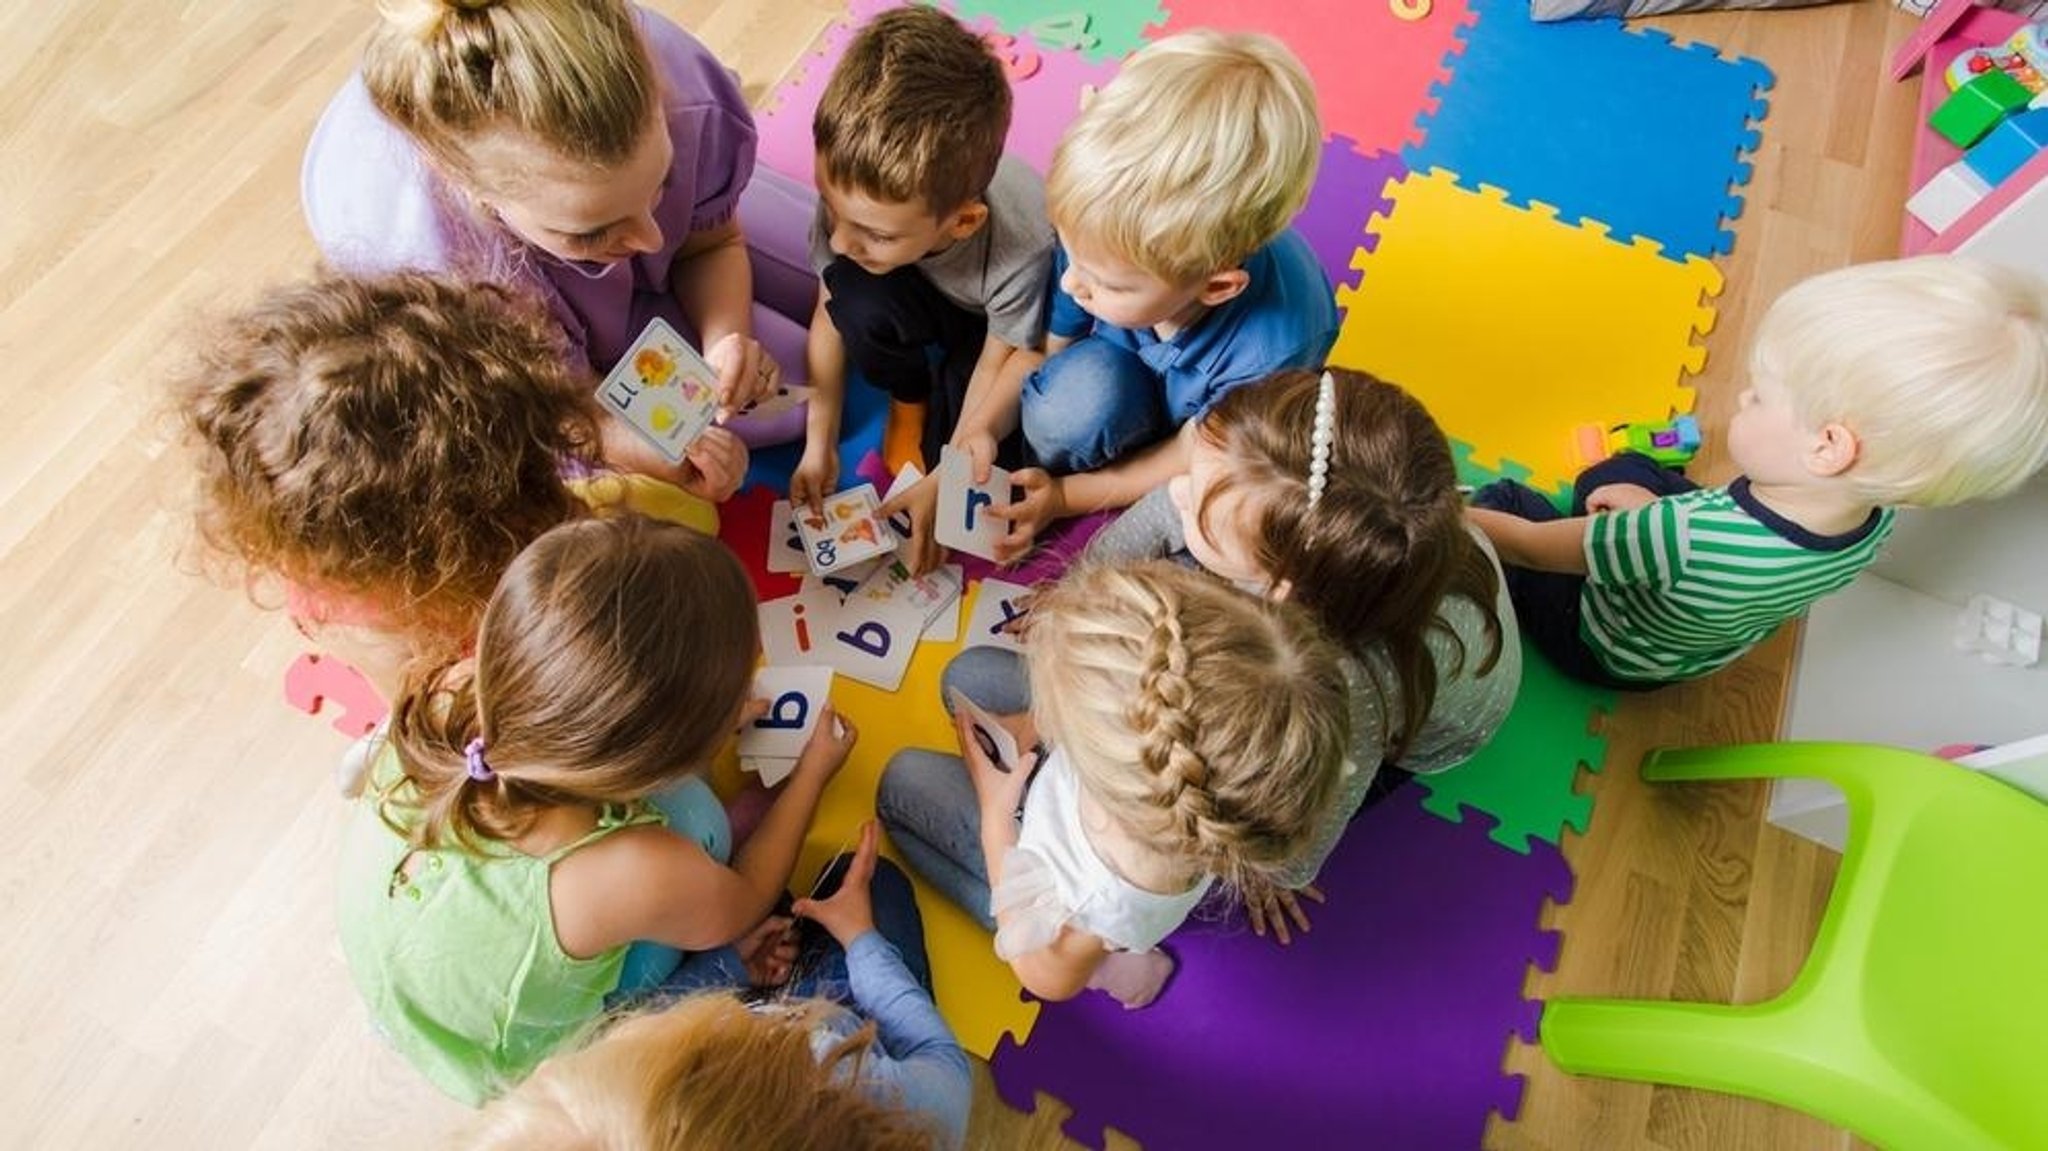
(921, 1063)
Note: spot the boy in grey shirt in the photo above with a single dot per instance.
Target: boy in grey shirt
(934, 248)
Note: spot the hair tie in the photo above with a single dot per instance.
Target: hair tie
(479, 767)
(1323, 434)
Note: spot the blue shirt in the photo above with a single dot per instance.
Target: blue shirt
(920, 1066)
(1285, 318)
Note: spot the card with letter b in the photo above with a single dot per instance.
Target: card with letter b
(796, 697)
(664, 389)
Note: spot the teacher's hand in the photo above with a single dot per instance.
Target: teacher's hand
(747, 374)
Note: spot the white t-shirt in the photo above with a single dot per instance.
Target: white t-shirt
(1053, 878)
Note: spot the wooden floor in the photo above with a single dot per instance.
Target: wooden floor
(172, 977)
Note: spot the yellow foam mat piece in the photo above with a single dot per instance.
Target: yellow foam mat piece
(977, 993)
(1514, 328)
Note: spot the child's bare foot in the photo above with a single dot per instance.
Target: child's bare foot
(1133, 978)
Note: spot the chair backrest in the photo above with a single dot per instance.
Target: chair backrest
(1954, 967)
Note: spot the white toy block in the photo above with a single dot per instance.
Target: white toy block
(1947, 195)
(2000, 632)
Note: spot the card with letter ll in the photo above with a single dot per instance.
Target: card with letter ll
(663, 389)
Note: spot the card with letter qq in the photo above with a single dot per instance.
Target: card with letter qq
(664, 389)
(846, 533)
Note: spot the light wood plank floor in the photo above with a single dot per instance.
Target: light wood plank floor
(172, 975)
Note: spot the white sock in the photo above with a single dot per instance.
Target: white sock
(1133, 978)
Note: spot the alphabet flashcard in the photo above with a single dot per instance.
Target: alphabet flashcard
(873, 642)
(996, 606)
(663, 389)
(963, 521)
(785, 543)
(847, 532)
(796, 697)
(794, 628)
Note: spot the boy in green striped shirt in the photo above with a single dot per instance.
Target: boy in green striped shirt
(1920, 382)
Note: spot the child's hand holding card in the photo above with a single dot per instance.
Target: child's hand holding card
(771, 743)
(847, 532)
(663, 389)
(963, 521)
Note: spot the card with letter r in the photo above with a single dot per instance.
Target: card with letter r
(995, 605)
(847, 532)
(963, 521)
(663, 389)
(796, 696)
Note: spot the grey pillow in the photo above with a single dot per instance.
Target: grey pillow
(1629, 9)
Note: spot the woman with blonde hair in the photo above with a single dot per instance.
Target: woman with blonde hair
(588, 150)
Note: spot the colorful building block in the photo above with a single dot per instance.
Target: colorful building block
(1976, 107)
(2010, 144)
(1951, 192)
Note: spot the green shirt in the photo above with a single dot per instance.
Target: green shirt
(456, 956)
(1687, 583)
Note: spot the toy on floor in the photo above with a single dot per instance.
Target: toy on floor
(2023, 57)
(314, 681)
(1671, 443)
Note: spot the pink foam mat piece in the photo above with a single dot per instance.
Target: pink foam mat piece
(1373, 71)
(1047, 86)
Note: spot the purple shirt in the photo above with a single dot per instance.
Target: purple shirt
(375, 204)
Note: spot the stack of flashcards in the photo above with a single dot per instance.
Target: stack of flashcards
(664, 389)
(797, 696)
(869, 630)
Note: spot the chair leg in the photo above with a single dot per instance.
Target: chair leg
(1841, 763)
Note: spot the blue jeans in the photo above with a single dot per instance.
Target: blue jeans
(1548, 604)
(820, 967)
(926, 802)
(1090, 405)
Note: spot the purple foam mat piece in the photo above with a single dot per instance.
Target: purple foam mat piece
(1385, 1026)
(1350, 188)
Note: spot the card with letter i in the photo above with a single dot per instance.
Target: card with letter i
(847, 532)
(664, 389)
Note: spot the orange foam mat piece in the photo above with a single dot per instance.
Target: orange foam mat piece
(1515, 328)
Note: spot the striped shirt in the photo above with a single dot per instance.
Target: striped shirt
(1685, 584)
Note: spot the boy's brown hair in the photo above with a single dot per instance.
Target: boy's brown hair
(917, 110)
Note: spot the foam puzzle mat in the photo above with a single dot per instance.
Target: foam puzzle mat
(1470, 186)
(1519, 221)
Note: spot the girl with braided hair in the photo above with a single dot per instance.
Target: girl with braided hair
(1184, 735)
(1336, 491)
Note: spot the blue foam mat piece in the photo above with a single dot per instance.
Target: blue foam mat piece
(1602, 123)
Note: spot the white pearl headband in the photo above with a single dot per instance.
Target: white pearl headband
(1324, 433)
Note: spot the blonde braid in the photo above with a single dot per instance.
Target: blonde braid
(1209, 723)
(1163, 717)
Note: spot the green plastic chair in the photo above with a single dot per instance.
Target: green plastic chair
(1920, 1019)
